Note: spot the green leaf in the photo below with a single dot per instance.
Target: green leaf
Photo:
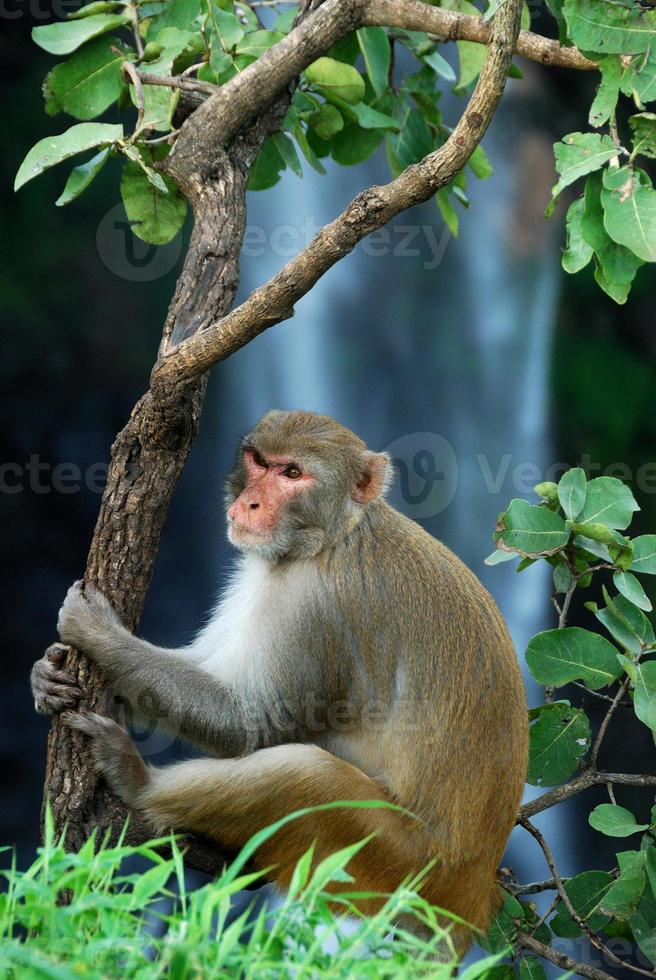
(577, 253)
(498, 557)
(572, 486)
(226, 26)
(562, 578)
(626, 624)
(548, 490)
(480, 164)
(326, 121)
(643, 125)
(66, 36)
(177, 13)
(530, 968)
(629, 586)
(579, 154)
(368, 117)
(595, 532)
(615, 821)
(639, 80)
(354, 145)
(608, 501)
(622, 897)
(86, 84)
(556, 657)
(336, 78)
(629, 203)
(287, 151)
(644, 554)
(80, 177)
(257, 42)
(450, 217)
(532, 530)
(54, 149)
(471, 59)
(610, 28)
(266, 170)
(608, 92)
(616, 265)
(439, 64)
(645, 694)
(307, 150)
(585, 891)
(559, 737)
(158, 100)
(501, 933)
(154, 216)
(375, 47)
(97, 7)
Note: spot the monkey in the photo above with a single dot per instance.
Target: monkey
(352, 657)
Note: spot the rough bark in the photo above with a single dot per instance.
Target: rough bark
(147, 459)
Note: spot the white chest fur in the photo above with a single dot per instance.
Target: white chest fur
(238, 641)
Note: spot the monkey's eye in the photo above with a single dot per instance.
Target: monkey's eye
(292, 472)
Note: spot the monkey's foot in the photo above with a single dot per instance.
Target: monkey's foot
(52, 687)
(114, 754)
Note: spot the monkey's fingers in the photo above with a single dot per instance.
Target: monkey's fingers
(57, 652)
(53, 698)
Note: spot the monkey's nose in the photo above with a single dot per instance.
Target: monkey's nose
(254, 506)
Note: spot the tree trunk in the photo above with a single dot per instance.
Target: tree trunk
(146, 461)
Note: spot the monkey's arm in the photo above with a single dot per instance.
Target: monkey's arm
(160, 683)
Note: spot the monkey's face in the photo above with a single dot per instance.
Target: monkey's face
(301, 481)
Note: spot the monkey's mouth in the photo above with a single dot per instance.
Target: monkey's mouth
(243, 531)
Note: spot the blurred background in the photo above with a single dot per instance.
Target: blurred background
(476, 362)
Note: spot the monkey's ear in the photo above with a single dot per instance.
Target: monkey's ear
(375, 477)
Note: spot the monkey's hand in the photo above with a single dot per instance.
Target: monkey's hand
(87, 622)
(53, 689)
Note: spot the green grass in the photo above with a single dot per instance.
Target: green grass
(103, 931)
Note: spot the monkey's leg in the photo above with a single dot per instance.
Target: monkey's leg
(229, 800)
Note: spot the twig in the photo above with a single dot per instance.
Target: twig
(607, 720)
(178, 81)
(133, 75)
(167, 138)
(533, 888)
(591, 777)
(560, 959)
(134, 16)
(600, 696)
(581, 923)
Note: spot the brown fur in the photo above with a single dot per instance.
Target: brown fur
(421, 701)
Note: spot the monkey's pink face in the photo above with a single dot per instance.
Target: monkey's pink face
(271, 484)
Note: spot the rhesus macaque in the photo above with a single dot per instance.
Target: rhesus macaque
(352, 657)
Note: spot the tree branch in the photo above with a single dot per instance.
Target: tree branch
(593, 938)
(560, 959)
(217, 121)
(591, 777)
(372, 208)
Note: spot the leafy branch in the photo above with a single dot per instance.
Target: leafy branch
(579, 528)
